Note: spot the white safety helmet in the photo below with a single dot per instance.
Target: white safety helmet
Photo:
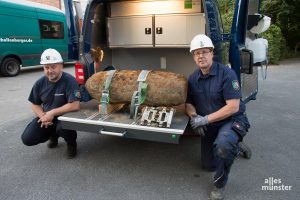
(51, 56)
(201, 41)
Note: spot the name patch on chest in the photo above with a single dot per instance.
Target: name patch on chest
(59, 94)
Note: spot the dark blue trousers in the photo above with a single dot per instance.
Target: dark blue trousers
(34, 134)
(219, 148)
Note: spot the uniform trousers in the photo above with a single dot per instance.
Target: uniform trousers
(219, 148)
(34, 134)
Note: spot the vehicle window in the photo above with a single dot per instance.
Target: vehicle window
(51, 29)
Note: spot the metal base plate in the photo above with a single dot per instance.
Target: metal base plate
(118, 123)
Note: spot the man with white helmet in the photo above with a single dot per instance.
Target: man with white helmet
(216, 112)
(52, 95)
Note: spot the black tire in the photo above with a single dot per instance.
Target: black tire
(10, 67)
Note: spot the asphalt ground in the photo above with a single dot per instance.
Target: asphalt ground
(111, 168)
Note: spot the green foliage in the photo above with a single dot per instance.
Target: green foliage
(277, 44)
(227, 10)
(284, 33)
(285, 14)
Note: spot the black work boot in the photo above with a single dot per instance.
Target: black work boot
(53, 141)
(71, 150)
(245, 151)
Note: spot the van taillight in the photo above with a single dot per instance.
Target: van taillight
(79, 75)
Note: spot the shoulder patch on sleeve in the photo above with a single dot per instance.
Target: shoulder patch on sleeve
(77, 94)
(235, 85)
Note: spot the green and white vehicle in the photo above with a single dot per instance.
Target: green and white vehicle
(27, 29)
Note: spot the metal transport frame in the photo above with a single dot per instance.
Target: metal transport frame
(119, 123)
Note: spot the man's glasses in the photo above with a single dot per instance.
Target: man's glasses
(203, 53)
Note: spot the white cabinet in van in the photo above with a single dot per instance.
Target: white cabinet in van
(166, 30)
(130, 31)
(177, 29)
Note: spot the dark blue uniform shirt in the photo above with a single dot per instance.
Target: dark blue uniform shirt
(53, 95)
(208, 93)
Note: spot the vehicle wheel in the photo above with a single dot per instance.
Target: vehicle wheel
(10, 67)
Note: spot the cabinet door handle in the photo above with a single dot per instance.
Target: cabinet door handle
(147, 31)
(159, 30)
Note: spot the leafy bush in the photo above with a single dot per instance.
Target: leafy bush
(277, 44)
(283, 34)
(285, 14)
(227, 9)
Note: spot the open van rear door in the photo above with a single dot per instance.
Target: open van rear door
(73, 25)
(240, 58)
